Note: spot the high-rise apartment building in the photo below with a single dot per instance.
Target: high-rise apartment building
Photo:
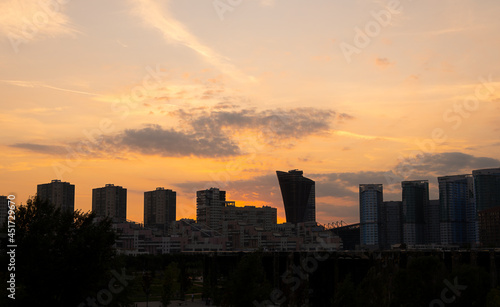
(159, 208)
(432, 231)
(456, 197)
(415, 200)
(487, 188)
(298, 194)
(209, 206)
(489, 227)
(391, 231)
(110, 201)
(370, 202)
(59, 194)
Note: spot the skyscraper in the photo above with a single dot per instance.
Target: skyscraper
(415, 199)
(209, 206)
(298, 194)
(432, 231)
(455, 198)
(487, 188)
(110, 201)
(486, 197)
(390, 224)
(59, 194)
(370, 202)
(159, 208)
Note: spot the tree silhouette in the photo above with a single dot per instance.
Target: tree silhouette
(247, 283)
(62, 257)
(170, 285)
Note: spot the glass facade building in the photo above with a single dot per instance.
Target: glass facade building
(415, 200)
(455, 198)
(299, 198)
(370, 203)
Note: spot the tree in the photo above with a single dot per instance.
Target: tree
(474, 285)
(248, 282)
(493, 298)
(170, 284)
(420, 283)
(345, 294)
(62, 257)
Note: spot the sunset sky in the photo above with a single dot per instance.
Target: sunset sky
(193, 94)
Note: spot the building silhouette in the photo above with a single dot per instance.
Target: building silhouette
(264, 217)
(57, 193)
(487, 188)
(489, 227)
(159, 208)
(391, 230)
(4, 202)
(110, 201)
(415, 200)
(432, 230)
(209, 206)
(298, 194)
(456, 198)
(371, 198)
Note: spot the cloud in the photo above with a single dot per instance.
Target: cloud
(25, 20)
(213, 132)
(169, 142)
(348, 214)
(154, 15)
(448, 163)
(346, 185)
(37, 84)
(45, 149)
(218, 132)
(382, 62)
(273, 126)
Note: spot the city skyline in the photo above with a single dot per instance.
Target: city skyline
(480, 173)
(184, 95)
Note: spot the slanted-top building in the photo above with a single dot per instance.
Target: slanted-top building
(110, 201)
(299, 198)
(59, 194)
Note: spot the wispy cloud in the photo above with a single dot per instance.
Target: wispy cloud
(155, 15)
(37, 84)
(28, 20)
(367, 137)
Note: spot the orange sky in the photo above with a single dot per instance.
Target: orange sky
(187, 96)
